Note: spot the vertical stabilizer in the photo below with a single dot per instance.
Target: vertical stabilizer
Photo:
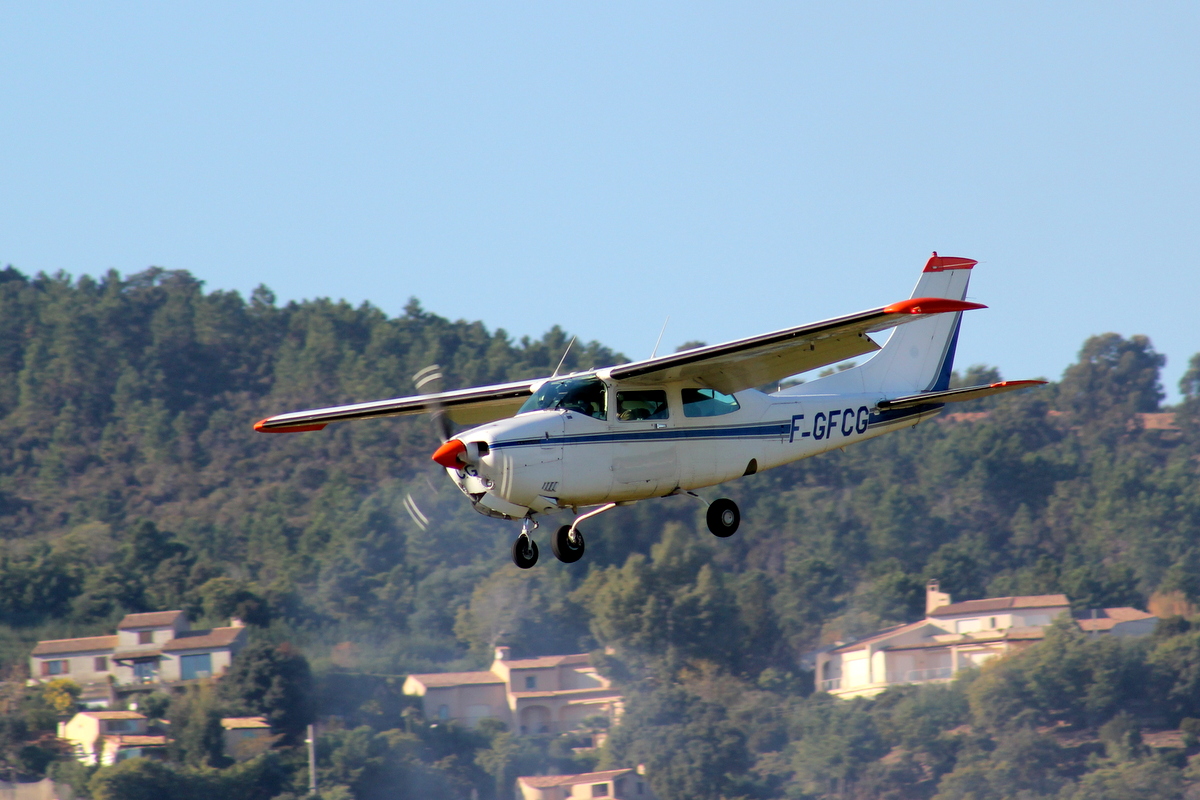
(919, 356)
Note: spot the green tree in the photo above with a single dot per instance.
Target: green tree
(688, 745)
(196, 731)
(274, 681)
(1114, 375)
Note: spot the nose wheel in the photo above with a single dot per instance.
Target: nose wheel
(723, 517)
(524, 551)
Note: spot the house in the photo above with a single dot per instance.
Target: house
(246, 737)
(618, 784)
(955, 636)
(108, 737)
(550, 694)
(148, 649)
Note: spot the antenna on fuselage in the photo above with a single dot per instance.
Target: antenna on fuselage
(564, 357)
(660, 335)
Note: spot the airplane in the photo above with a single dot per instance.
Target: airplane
(673, 424)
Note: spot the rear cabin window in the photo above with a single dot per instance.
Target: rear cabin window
(642, 404)
(708, 403)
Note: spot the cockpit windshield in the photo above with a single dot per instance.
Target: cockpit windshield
(585, 395)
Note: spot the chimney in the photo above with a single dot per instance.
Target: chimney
(502, 653)
(236, 622)
(934, 599)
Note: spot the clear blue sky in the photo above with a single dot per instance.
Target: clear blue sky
(601, 166)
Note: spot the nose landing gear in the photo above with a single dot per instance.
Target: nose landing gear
(525, 549)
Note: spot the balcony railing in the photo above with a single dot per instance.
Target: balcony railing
(832, 684)
(919, 675)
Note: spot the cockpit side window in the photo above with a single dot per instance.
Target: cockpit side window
(707, 403)
(584, 395)
(643, 404)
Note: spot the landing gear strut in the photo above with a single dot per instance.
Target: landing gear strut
(525, 549)
(567, 543)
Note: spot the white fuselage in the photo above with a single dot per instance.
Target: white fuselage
(544, 460)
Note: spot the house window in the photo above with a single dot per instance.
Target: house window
(145, 637)
(100, 664)
(599, 790)
(145, 670)
(195, 666)
(121, 725)
(443, 712)
(57, 667)
(530, 682)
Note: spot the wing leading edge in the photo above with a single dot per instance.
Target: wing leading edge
(464, 406)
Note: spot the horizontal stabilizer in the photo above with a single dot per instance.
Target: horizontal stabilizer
(956, 395)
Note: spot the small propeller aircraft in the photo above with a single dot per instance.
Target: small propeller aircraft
(673, 424)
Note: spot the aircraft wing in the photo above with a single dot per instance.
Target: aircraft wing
(956, 395)
(771, 357)
(464, 406)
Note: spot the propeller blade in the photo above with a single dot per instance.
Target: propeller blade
(429, 381)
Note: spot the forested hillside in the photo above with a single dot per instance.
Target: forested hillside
(131, 479)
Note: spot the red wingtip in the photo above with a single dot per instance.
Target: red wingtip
(261, 427)
(930, 305)
(448, 454)
(938, 263)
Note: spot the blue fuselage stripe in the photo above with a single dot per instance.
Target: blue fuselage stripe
(739, 432)
(746, 431)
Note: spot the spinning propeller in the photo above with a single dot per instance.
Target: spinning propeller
(429, 381)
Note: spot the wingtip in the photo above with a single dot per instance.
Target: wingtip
(261, 427)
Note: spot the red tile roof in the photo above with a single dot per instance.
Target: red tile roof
(549, 661)
(858, 644)
(139, 739)
(548, 781)
(126, 655)
(89, 644)
(204, 640)
(150, 619)
(113, 714)
(1107, 618)
(242, 723)
(1002, 604)
(433, 679)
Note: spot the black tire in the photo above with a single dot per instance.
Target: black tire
(524, 552)
(724, 517)
(564, 549)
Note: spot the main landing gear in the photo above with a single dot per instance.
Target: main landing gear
(567, 544)
(723, 516)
